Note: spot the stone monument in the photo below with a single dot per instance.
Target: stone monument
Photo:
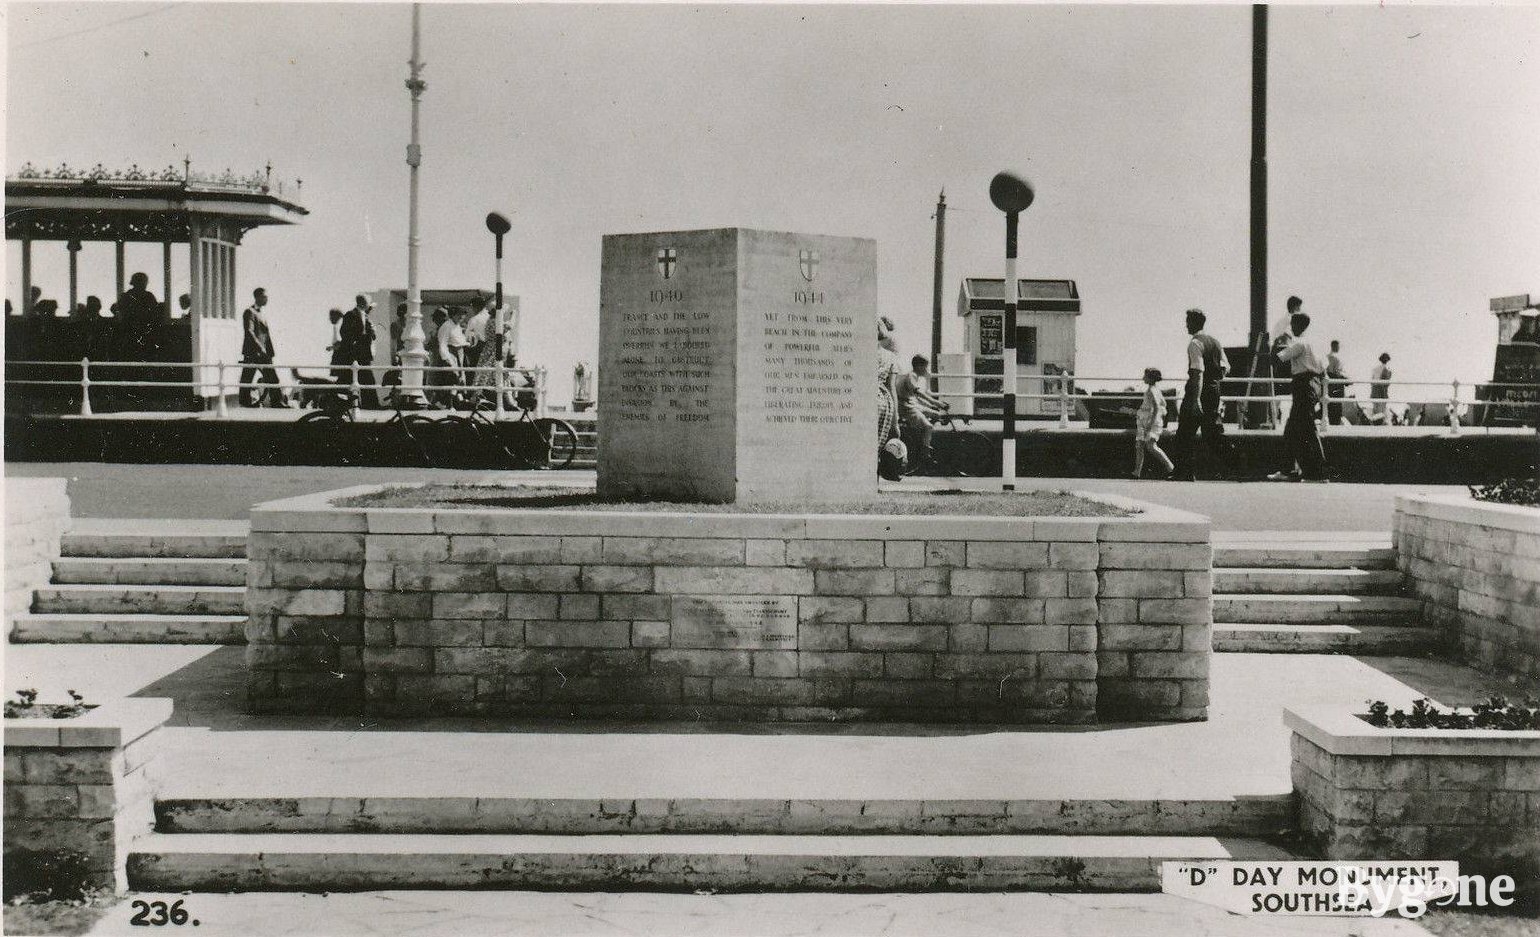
(737, 365)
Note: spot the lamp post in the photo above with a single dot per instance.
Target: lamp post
(499, 226)
(414, 353)
(1011, 194)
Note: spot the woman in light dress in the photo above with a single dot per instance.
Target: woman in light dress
(1149, 424)
(889, 447)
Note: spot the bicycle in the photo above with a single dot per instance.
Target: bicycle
(337, 409)
(557, 437)
(957, 452)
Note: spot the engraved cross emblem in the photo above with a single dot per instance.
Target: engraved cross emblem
(668, 258)
(808, 261)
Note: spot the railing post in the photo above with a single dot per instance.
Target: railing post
(85, 386)
(353, 388)
(1322, 420)
(1064, 400)
(221, 410)
(499, 385)
(540, 382)
(1454, 407)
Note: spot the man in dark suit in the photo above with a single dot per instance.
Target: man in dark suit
(257, 354)
(357, 338)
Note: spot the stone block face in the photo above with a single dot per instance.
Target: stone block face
(88, 800)
(742, 618)
(1474, 566)
(1449, 803)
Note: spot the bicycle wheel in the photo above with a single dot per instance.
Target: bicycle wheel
(973, 454)
(323, 416)
(415, 426)
(561, 441)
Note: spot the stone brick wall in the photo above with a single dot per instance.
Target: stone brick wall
(37, 513)
(603, 614)
(1367, 793)
(83, 786)
(1476, 567)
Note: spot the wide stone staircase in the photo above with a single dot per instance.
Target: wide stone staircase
(361, 843)
(176, 582)
(1280, 592)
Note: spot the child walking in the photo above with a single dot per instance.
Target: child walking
(1150, 423)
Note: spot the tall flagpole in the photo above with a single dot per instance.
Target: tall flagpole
(414, 354)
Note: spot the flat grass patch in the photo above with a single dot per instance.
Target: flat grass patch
(528, 497)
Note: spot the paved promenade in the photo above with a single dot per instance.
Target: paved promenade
(200, 491)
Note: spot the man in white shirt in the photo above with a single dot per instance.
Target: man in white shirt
(1200, 409)
(1306, 368)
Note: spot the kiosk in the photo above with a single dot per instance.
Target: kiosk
(1045, 345)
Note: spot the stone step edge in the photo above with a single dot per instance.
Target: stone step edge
(1315, 627)
(94, 588)
(1258, 815)
(361, 862)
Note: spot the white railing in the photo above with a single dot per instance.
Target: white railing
(223, 386)
(1063, 387)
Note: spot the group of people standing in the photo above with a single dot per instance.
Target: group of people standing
(1312, 377)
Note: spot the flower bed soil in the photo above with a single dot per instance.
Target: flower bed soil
(513, 497)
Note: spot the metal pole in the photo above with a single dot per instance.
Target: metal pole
(1454, 408)
(1064, 400)
(1258, 171)
(499, 353)
(74, 251)
(414, 353)
(935, 302)
(1008, 438)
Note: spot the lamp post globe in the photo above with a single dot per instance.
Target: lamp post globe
(1010, 193)
(497, 224)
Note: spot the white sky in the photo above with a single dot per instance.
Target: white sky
(1403, 153)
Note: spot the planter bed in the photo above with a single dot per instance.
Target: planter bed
(1471, 795)
(78, 790)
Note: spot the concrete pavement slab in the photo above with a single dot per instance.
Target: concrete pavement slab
(488, 914)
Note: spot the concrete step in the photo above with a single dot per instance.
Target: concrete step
(1245, 816)
(366, 862)
(1318, 609)
(1304, 555)
(159, 570)
(128, 629)
(1324, 639)
(140, 599)
(1240, 580)
(153, 544)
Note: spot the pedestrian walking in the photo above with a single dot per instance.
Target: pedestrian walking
(1379, 388)
(1306, 369)
(1200, 408)
(449, 343)
(257, 354)
(1149, 424)
(356, 334)
(891, 452)
(1335, 391)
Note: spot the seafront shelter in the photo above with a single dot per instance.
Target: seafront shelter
(210, 213)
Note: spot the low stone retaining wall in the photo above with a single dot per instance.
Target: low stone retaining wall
(1371, 793)
(728, 616)
(79, 791)
(37, 513)
(1476, 567)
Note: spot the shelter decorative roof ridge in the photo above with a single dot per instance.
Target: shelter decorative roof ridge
(258, 182)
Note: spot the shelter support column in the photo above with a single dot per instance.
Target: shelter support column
(118, 255)
(165, 268)
(74, 248)
(26, 276)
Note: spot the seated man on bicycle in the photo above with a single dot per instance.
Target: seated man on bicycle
(916, 408)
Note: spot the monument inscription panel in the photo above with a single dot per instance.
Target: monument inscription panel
(737, 364)
(742, 622)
